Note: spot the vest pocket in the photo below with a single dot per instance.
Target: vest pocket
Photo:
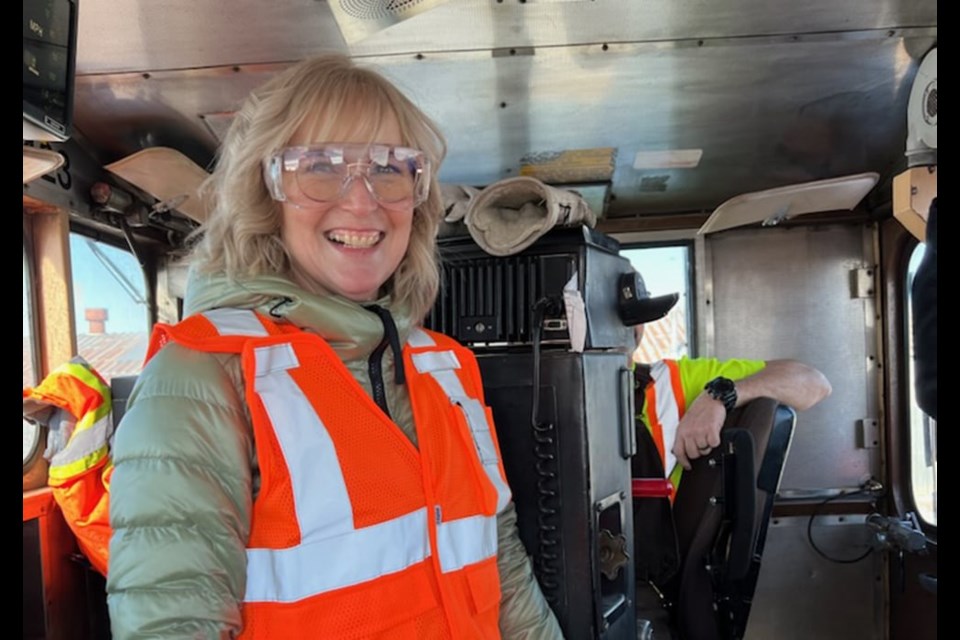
(484, 582)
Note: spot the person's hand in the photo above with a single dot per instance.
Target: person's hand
(699, 430)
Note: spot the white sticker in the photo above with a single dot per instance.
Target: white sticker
(576, 315)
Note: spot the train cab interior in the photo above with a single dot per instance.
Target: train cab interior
(774, 166)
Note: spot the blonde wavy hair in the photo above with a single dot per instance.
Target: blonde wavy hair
(241, 238)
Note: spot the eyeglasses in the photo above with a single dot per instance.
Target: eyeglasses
(323, 173)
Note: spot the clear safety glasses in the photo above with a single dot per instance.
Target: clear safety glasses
(323, 173)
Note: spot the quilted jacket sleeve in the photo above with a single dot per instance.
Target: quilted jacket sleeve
(181, 501)
(524, 612)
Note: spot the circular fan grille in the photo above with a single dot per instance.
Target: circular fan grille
(930, 104)
(922, 109)
(374, 9)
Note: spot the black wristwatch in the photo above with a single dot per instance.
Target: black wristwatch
(724, 390)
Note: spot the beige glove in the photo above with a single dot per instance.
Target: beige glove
(456, 201)
(510, 215)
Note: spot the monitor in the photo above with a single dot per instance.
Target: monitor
(49, 55)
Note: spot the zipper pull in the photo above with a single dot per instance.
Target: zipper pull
(437, 513)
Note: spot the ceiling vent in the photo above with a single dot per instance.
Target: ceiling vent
(360, 19)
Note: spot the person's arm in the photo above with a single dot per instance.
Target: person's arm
(787, 381)
(524, 612)
(180, 503)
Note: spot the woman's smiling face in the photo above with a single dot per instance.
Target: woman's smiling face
(351, 246)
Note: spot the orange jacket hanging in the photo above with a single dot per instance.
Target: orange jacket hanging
(355, 532)
(79, 473)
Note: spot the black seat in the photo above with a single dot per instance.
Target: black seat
(707, 550)
(120, 389)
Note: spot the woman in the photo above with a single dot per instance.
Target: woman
(299, 459)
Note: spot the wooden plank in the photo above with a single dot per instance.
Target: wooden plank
(54, 286)
(913, 192)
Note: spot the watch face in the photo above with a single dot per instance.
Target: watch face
(724, 390)
(721, 385)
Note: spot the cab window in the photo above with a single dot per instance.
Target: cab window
(30, 435)
(923, 428)
(29, 348)
(110, 307)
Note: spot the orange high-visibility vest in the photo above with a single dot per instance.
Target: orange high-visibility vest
(355, 532)
(665, 405)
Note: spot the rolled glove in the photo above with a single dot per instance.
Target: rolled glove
(456, 201)
(510, 215)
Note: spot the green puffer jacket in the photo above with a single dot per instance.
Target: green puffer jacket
(186, 474)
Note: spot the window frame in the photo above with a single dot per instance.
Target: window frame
(34, 351)
(32, 320)
(909, 390)
(896, 247)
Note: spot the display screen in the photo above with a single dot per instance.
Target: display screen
(49, 47)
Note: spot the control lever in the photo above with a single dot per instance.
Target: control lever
(895, 534)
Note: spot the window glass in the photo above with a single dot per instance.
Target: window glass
(665, 270)
(923, 428)
(29, 354)
(29, 350)
(110, 305)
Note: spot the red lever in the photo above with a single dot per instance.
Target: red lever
(652, 488)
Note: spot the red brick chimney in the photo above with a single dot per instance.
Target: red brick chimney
(97, 319)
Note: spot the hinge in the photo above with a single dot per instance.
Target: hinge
(868, 432)
(863, 282)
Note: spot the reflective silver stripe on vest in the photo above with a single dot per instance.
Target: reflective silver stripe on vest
(466, 541)
(420, 338)
(236, 322)
(667, 412)
(84, 443)
(320, 566)
(432, 361)
(332, 554)
(440, 365)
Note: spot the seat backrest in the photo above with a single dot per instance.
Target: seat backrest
(721, 512)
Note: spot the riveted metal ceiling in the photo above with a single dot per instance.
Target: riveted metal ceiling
(771, 93)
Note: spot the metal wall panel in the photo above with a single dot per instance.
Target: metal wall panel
(787, 293)
(802, 596)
